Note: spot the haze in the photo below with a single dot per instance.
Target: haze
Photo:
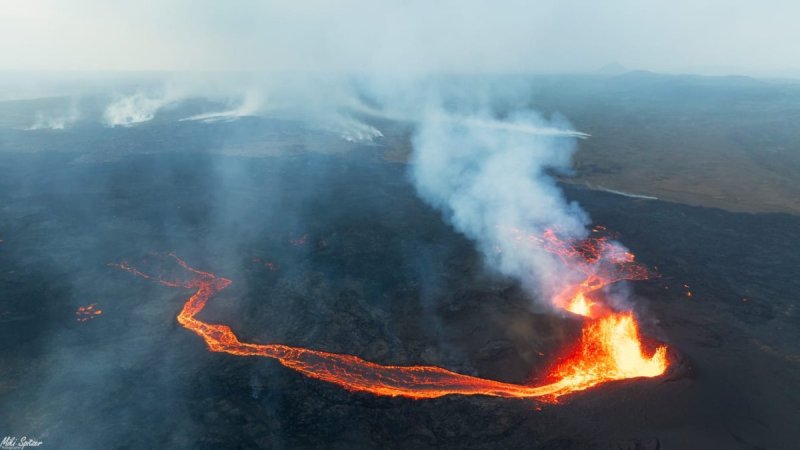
(706, 37)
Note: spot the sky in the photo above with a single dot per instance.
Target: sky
(683, 36)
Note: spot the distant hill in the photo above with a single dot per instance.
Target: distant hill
(612, 68)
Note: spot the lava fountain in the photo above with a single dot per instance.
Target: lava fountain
(609, 349)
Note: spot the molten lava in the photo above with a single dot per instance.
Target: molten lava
(609, 349)
(88, 312)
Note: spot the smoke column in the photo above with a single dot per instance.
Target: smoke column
(490, 179)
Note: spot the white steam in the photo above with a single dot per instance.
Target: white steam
(490, 179)
(350, 129)
(136, 108)
(250, 104)
(57, 120)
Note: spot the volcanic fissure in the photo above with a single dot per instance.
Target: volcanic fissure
(610, 347)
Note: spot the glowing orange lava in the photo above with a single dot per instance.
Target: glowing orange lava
(609, 348)
(88, 312)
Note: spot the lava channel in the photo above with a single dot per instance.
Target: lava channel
(609, 348)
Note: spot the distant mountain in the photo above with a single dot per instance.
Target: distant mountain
(612, 68)
(643, 78)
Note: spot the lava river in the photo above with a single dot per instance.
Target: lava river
(609, 348)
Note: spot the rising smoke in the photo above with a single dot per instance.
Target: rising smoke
(493, 181)
(133, 109)
(60, 118)
(480, 155)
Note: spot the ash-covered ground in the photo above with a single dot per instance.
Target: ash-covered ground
(337, 252)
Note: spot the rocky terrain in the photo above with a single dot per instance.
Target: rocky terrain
(336, 252)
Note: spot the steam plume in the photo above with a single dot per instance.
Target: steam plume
(137, 108)
(490, 180)
(57, 120)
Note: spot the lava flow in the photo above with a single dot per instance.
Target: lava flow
(88, 312)
(609, 348)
